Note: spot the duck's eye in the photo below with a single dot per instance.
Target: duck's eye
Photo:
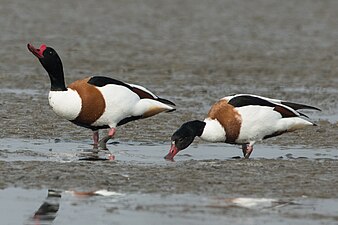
(181, 139)
(51, 53)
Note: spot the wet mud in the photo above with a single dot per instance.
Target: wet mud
(192, 53)
(260, 178)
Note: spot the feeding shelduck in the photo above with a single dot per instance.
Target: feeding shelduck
(242, 119)
(97, 102)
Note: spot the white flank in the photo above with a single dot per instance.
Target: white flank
(66, 104)
(260, 121)
(293, 123)
(213, 131)
(146, 104)
(257, 122)
(120, 102)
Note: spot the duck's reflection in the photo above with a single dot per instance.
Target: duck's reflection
(96, 155)
(48, 210)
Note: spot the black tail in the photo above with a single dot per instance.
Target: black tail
(165, 101)
(172, 110)
(297, 106)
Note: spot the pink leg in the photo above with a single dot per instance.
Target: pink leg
(96, 138)
(103, 142)
(111, 132)
(247, 150)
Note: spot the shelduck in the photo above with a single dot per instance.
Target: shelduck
(242, 119)
(97, 102)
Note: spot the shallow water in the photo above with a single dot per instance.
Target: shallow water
(193, 53)
(145, 153)
(29, 207)
(201, 169)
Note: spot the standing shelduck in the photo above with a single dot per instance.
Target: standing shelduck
(242, 119)
(97, 102)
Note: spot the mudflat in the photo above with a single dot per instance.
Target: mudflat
(193, 53)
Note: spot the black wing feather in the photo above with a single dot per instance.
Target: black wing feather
(166, 101)
(297, 106)
(101, 81)
(245, 100)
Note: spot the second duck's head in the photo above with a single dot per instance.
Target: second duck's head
(184, 136)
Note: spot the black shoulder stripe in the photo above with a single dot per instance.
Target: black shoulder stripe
(245, 100)
(101, 81)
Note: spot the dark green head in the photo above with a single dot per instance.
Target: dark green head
(52, 63)
(184, 136)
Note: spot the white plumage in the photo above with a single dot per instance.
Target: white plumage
(242, 119)
(120, 102)
(97, 102)
(213, 131)
(66, 104)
